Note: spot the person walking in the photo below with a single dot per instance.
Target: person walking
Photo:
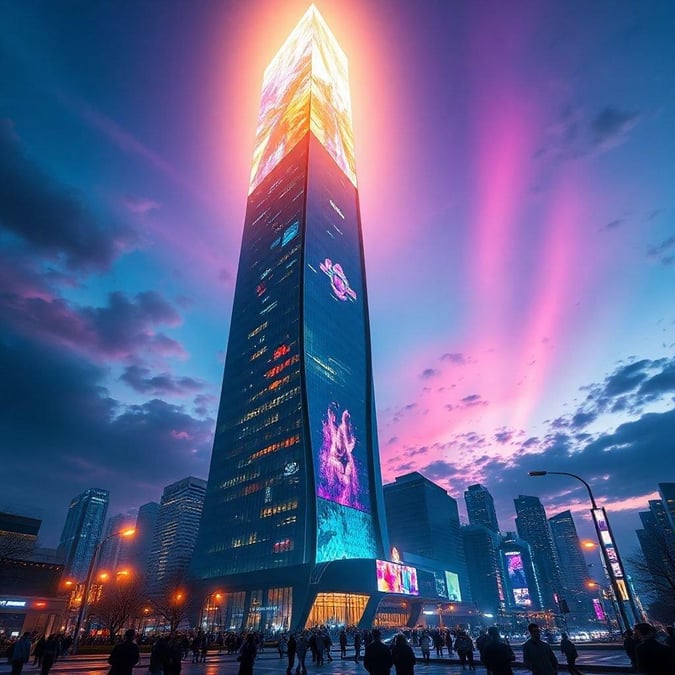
(403, 656)
(160, 657)
(20, 653)
(537, 655)
(125, 655)
(247, 653)
(652, 656)
(302, 646)
(629, 645)
(291, 649)
(425, 646)
(50, 651)
(464, 649)
(377, 657)
(498, 657)
(568, 648)
(343, 644)
(357, 646)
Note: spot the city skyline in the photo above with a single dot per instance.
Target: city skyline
(519, 187)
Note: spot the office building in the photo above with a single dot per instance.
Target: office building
(667, 492)
(423, 519)
(481, 548)
(480, 507)
(173, 541)
(82, 532)
(116, 552)
(18, 535)
(522, 588)
(533, 527)
(293, 520)
(657, 542)
(146, 522)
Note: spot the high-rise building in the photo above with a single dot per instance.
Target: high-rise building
(573, 568)
(116, 552)
(82, 531)
(533, 527)
(422, 518)
(657, 541)
(146, 522)
(174, 537)
(480, 507)
(667, 492)
(522, 588)
(481, 548)
(293, 520)
(18, 535)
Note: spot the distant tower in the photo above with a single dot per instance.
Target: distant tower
(480, 507)
(146, 522)
(667, 492)
(521, 580)
(116, 552)
(294, 503)
(573, 566)
(82, 531)
(176, 531)
(657, 541)
(533, 527)
(422, 518)
(481, 548)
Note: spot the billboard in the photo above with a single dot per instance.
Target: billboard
(515, 572)
(395, 578)
(452, 584)
(599, 611)
(611, 556)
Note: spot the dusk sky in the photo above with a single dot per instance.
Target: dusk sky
(516, 173)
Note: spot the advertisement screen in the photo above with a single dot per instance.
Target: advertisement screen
(599, 611)
(611, 555)
(441, 586)
(517, 579)
(336, 364)
(452, 582)
(393, 578)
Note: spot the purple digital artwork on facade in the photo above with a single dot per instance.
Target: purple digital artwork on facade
(338, 280)
(338, 479)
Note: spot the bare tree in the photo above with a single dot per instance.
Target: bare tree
(170, 601)
(654, 570)
(121, 600)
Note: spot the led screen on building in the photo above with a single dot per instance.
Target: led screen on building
(599, 611)
(452, 582)
(517, 579)
(336, 364)
(609, 547)
(394, 578)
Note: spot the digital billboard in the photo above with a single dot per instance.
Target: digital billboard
(395, 578)
(452, 583)
(336, 363)
(598, 609)
(515, 571)
(607, 542)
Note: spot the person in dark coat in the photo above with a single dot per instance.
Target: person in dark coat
(629, 645)
(653, 657)
(498, 657)
(125, 655)
(20, 653)
(50, 650)
(377, 657)
(247, 653)
(403, 656)
(570, 651)
(160, 657)
(291, 649)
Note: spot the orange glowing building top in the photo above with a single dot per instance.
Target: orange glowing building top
(305, 87)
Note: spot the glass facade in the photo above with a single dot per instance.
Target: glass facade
(294, 480)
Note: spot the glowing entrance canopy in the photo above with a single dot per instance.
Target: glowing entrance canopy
(305, 87)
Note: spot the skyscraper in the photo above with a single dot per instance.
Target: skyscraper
(522, 587)
(174, 537)
(481, 547)
(116, 552)
(146, 522)
(294, 498)
(480, 507)
(533, 527)
(422, 518)
(667, 492)
(82, 531)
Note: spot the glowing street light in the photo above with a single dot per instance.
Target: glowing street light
(129, 532)
(610, 554)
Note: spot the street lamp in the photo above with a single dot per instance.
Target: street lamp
(87, 584)
(610, 554)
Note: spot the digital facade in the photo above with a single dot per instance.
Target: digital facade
(293, 520)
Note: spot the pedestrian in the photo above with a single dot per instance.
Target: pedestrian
(20, 653)
(160, 657)
(481, 642)
(629, 645)
(652, 656)
(247, 654)
(125, 655)
(38, 650)
(537, 655)
(464, 649)
(50, 651)
(498, 657)
(357, 646)
(291, 649)
(301, 654)
(377, 657)
(425, 646)
(570, 651)
(319, 646)
(175, 656)
(438, 644)
(403, 656)
(343, 644)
